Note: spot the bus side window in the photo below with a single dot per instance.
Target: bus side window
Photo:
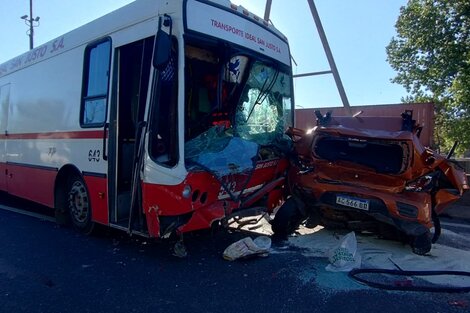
(164, 119)
(95, 84)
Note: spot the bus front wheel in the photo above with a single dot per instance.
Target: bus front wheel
(79, 205)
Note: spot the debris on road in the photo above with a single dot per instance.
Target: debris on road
(248, 247)
(383, 254)
(344, 256)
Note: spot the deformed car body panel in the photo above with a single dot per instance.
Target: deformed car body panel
(353, 170)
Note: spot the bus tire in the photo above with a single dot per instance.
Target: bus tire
(79, 205)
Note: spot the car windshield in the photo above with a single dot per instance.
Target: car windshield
(383, 156)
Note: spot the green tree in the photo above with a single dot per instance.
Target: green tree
(431, 54)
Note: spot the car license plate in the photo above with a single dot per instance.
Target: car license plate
(353, 203)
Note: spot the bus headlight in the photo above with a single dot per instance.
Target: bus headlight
(186, 192)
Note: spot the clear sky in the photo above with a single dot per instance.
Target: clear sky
(357, 30)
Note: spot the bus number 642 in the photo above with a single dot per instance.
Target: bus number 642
(94, 155)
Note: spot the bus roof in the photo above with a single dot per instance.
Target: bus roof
(126, 16)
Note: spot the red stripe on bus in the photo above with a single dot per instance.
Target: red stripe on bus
(3, 177)
(94, 134)
(37, 184)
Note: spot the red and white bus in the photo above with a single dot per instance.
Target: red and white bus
(161, 117)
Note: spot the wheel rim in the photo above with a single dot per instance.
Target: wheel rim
(78, 202)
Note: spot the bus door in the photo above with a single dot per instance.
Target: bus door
(4, 104)
(132, 70)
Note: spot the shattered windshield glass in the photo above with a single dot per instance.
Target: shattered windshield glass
(222, 153)
(233, 109)
(231, 159)
(264, 108)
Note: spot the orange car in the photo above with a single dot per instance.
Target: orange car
(369, 173)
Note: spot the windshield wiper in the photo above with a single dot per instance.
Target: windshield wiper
(263, 93)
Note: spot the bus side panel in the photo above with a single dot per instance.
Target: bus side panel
(98, 198)
(32, 183)
(4, 103)
(46, 97)
(44, 128)
(150, 210)
(3, 168)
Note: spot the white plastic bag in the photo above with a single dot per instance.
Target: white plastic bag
(344, 257)
(248, 247)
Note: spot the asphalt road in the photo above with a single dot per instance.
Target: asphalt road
(46, 268)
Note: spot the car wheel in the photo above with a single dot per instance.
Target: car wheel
(421, 244)
(79, 205)
(287, 219)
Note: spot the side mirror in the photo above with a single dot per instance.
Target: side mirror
(162, 48)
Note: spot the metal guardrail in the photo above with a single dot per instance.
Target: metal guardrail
(464, 163)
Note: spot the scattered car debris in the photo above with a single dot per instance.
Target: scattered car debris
(179, 249)
(248, 247)
(344, 256)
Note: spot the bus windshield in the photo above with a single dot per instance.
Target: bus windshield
(263, 110)
(233, 108)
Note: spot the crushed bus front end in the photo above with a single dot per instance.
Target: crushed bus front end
(216, 142)
(235, 149)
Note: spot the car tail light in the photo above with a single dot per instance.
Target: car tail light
(424, 183)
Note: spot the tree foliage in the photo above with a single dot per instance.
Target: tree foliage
(431, 54)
